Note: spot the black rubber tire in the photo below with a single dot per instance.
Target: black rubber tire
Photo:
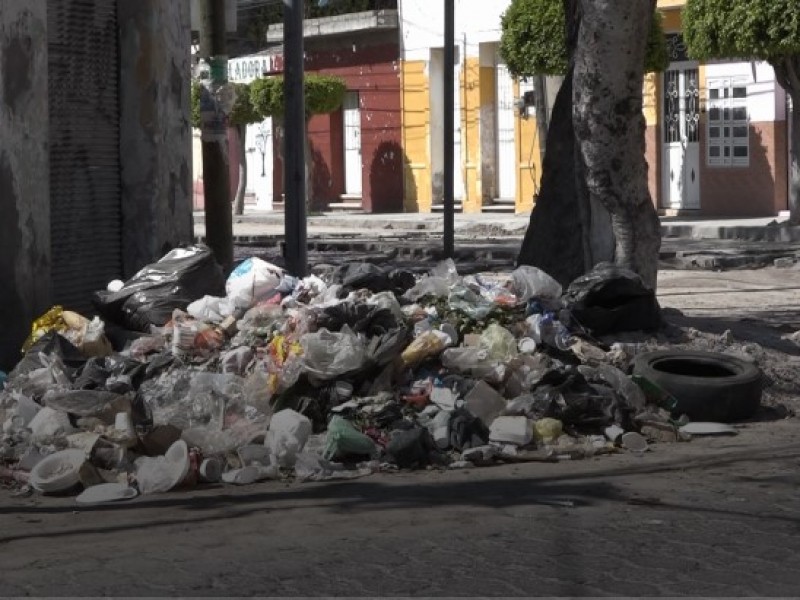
(708, 386)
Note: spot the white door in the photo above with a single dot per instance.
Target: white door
(352, 145)
(506, 147)
(258, 147)
(680, 174)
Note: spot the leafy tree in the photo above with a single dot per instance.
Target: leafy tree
(766, 30)
(242, 114)
(323, 94)
(594, 204)
(533, 40)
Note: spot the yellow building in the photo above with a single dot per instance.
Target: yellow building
(498, 164)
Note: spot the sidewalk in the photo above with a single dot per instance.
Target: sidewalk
(254, 224)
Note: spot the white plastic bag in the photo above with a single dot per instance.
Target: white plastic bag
(327, 355)
(251, 281)
(287, 436)
(211, 309)
(530, 282)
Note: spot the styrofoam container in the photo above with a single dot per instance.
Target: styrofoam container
(58, 472)
(511, 430)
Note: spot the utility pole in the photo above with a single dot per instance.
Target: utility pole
(294, 139)
(216, 179)
(449, 127)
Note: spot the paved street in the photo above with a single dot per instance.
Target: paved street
(714, 517)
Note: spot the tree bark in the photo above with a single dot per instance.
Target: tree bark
(787, 72)
(241, 188)
(569, 232)
(609, 125)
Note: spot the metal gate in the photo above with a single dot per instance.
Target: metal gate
(86, 211)
(353, 168)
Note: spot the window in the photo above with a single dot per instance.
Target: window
(728, 127)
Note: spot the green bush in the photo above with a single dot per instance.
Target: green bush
(534, 42)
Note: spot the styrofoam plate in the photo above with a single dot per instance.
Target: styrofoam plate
(106, 492)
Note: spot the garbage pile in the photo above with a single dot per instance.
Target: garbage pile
(186, 377)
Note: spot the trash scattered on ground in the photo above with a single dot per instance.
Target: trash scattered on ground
(189, 379)
(705, 428)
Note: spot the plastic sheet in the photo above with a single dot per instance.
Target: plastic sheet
(328, 355)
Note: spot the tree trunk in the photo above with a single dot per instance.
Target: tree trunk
(556, 238)
(787, 72)
(542, 118)
(568, 232)
(241, 188)
(610, 126)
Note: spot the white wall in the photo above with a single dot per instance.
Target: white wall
(422, 25)
(765, 98)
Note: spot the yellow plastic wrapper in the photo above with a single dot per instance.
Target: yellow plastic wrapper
(426, 345)
(88, 336)
(547, 429)
(52, 320)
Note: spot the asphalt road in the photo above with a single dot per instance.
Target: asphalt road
(714, 517)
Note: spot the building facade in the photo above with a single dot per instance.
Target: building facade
(95, 164)
(497, 157)
(717, 133)
(357, 150)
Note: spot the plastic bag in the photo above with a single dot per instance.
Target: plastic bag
(149, 297)
(428, 286)
(430, 343)
(252, 281)
(446, 270)
(531, 282)
(499, 343)
(211, 309)
(287, 436)
(610, 299)
(328, 355)
(474, 362)
(343, 440)
(468, 302)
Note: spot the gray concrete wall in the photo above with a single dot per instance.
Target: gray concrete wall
(24, 173)
(155, 131)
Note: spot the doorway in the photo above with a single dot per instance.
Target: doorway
(681, 137)
(353, 171)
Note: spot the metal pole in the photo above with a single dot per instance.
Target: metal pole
(294, 139)
(449, 128)
(216, 179)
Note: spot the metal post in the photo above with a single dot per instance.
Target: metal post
(449, 128)
(216, 179)
(294, 139)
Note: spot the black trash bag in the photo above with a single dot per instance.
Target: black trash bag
(359, 317)
(51, 343)
(409, 448)
(383, 349)
(360, 276)
(401, 280)
(93, 376)
(611, 299)
(149, 297)
(467, 430)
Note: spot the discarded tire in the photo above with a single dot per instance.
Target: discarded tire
(708, 386)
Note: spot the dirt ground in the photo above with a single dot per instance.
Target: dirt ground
(761, 310)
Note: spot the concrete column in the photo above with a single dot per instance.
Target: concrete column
(24, 173)
(155, 130)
